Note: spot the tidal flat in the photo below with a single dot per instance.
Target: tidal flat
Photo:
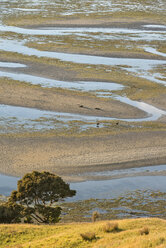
(83, 91)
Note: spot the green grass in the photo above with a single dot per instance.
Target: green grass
(68, 235)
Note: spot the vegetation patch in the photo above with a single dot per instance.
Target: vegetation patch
(134, 204)
(72, 44)
(80, 129)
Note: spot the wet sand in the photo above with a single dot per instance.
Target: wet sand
(52, 99)
(128, 22)
(69, 156)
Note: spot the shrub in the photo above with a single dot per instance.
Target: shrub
(95, 215)
(10, 213)
(144, 230)
(89, 236)
(110, 227)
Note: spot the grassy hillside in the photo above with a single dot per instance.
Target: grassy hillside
(68, 235)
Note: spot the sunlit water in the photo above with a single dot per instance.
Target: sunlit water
(50, 83)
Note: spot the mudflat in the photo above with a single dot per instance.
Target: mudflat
(70, 156)
(62, 100)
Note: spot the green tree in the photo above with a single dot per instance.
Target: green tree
(37, 194)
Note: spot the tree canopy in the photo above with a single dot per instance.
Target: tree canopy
(36, 197)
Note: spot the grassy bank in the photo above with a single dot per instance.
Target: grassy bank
(127, 235)
(122, 47)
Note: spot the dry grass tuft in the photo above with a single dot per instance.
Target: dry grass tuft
(89, 236)
(111, 227)
(144, 230)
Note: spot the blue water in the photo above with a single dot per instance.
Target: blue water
(100, 189)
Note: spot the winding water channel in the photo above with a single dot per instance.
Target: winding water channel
(140, 67)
